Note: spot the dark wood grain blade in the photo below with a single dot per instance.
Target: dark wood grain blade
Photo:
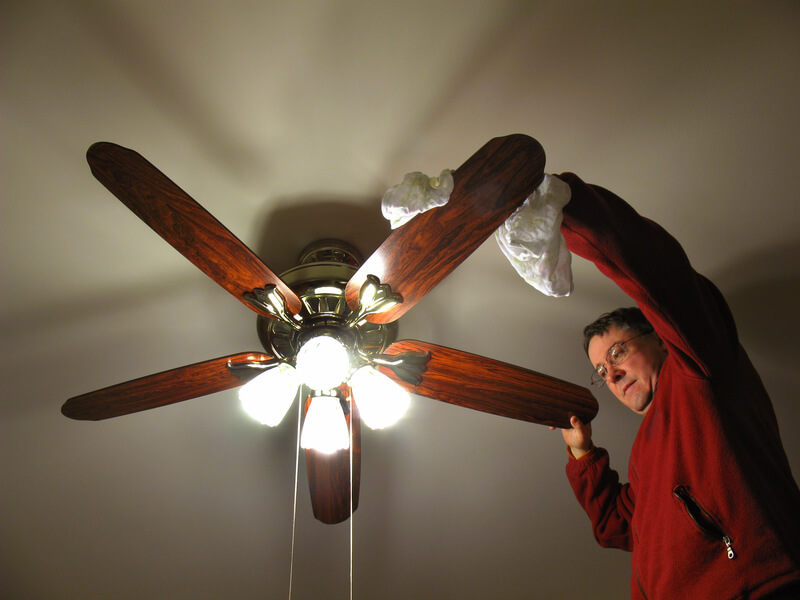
(495, 387)
(329, 477)
(421, 253)
(161, 389)
(182, 222)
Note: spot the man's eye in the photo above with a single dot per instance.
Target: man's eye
(615, 353)
(601, 371)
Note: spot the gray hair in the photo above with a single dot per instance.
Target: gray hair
(629, 319)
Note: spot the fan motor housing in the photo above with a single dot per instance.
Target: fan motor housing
(323, 270)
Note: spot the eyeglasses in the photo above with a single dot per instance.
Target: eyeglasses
(617, 354)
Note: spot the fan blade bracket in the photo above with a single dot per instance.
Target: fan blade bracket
(269, 301)
(407, 366)
(251, 367)
(373, 297)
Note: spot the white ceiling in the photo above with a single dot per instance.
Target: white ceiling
(288, 121)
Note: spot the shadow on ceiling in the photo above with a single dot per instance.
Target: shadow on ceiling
(299, 221)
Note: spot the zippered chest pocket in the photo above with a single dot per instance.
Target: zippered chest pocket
(704, 521)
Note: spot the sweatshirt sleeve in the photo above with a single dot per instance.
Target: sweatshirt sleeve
(687, 311)
(608, 503)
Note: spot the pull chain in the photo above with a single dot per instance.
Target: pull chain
(351, 497)
(296, 481)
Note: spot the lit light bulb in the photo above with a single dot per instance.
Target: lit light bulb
(323, 363)
(328, 289)
(269, 395)
(380, 401)
(325, 428)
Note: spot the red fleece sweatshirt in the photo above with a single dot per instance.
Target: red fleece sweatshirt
(711, 510)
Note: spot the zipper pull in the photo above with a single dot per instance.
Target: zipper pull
(729, 546)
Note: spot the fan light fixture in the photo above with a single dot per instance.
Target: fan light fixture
(381, 402)
(268, 396)
(325, 427)
(326, 345)
(323, 363)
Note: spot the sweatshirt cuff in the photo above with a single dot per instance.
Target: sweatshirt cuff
(587, 455)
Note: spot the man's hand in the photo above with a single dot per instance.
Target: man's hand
(579, 437)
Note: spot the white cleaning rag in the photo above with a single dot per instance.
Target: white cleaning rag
(532, 241)
(415, 195)
(530, 238)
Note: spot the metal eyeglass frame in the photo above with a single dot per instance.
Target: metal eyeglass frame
(598, 379)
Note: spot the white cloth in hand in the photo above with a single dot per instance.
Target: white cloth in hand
(532, 241)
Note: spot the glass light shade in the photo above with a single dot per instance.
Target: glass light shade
(380, 401)
(269, 395)
(323, 363)
(325, 428)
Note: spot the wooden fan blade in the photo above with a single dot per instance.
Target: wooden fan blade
(495, 387)
(182, 222)
(329, 476)
(421, 253)
(161, 389)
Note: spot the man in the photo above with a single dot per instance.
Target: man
(711, 510)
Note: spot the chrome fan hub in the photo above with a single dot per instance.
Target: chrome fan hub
(323, 270)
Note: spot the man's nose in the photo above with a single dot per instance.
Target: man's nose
(615, 373)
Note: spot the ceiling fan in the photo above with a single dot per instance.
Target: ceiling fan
(333, 298)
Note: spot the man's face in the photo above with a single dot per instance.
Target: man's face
(634, 381)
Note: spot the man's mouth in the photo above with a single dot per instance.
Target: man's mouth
(627, 385)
